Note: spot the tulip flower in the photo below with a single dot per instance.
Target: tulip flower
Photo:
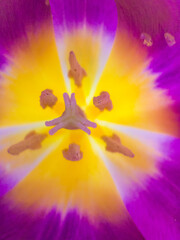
(89, 120)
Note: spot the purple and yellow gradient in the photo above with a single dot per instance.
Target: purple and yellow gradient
(105, 195)
(65, 180)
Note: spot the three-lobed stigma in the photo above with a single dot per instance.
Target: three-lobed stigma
(72, 118)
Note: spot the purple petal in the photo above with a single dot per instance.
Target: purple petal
(15, 225)
(171, 167)
(152, 17)
(19, 16)
(155, 207)
(167, 63)
(155, 210)
(73, 13)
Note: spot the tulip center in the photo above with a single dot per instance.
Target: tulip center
(72, 118)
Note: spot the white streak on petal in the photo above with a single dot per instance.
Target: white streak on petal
(18, 174)
(11, 130)
(122, 182)
(153, 139)
(103, 58)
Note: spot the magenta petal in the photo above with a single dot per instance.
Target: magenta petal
(70, 14)
(18, 16)
(155, 207)
(16, 225)
(152, 17)
(156, 211)
(167, 64)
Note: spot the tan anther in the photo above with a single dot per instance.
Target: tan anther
(76, 71)
(147, 39)
(73, 153)
(47, 98)
(47, 3)
(114, 145)
(31, 141)
(170, 39)
(103, 101)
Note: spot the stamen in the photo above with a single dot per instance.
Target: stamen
(147, 39)
(76, 71)
(73, 153)
(47, 3)
(72, 118)
(47, 98)
(103, 101)
(170, 39)
(114, 145)
(31, 141)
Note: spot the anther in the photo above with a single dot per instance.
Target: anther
(31, 141)
(170, 39)
(76, 71)
(147, 39)
(47, 2)
(113, 144)
(47, 98)
(73, 153)
(72, 118)
(103, 101)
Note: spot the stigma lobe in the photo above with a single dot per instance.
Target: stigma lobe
(76, 71)
(47, 98)
(113, 144)
(73, 153)
(31, 141)
(103, 101)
